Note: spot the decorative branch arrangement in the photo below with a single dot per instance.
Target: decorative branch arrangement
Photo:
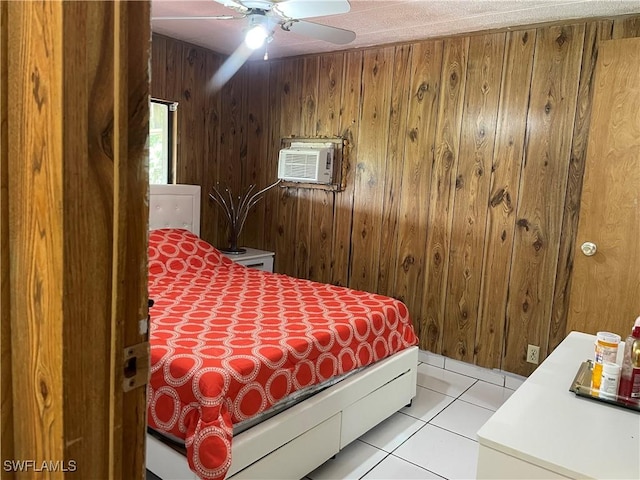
(236, 211)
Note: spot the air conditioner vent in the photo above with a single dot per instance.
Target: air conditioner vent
(300, 165)
(307, 165)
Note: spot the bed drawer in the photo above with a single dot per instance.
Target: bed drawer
(324, 440)
(367, 412)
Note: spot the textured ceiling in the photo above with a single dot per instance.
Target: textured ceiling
(378, 22)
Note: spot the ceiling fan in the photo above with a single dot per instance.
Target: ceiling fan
(262, 19)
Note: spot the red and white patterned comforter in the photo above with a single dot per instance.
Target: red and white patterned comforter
(228, 342)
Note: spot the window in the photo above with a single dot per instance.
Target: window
(162, 141)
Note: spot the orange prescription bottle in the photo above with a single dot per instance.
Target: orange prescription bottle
(606, 350)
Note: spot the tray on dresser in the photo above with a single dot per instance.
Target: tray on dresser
(581, 386)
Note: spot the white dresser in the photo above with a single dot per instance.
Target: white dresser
(545, 431)
(254, 258)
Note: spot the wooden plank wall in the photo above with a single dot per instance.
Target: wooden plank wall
(74, 234)
(36, 237)
(503, 192)
(472, 184)
(6, 390)
(465, 159)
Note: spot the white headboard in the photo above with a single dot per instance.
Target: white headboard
(174, 206)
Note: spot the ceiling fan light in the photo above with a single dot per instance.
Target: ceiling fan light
(256, 37)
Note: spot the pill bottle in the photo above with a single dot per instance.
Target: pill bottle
(606, 350)
(610, 381)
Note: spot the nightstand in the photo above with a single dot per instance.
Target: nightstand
(254, 258)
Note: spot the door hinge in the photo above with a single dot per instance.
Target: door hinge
(136, 366)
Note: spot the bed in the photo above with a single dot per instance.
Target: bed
(293, 438)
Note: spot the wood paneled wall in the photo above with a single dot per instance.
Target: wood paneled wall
(6, 394)
(465, 161)
(74, 125)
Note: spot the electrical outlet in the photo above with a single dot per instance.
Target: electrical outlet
(533, 354)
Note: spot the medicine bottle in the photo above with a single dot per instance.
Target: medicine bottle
(610, 380)
(606, 351)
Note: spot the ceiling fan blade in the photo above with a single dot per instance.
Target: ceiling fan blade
(335, 35)
(237, 6)
(306, 9)
(230, 66)
(207, 17)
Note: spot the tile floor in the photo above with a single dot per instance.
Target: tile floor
(435, 437)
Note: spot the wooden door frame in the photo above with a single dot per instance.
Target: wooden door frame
(74, 111)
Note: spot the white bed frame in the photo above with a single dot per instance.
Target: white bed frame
(301, 438)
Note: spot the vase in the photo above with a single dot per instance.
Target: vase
(233, 248)
(236, 211)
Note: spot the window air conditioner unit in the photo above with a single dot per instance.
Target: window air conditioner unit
(306, 164)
